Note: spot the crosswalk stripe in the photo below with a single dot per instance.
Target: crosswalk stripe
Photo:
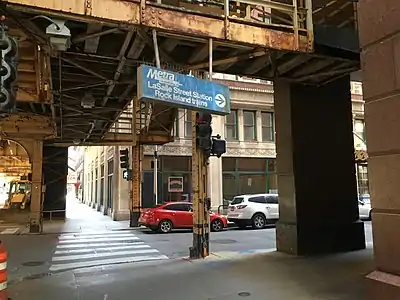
(76, 241)
(104, 254)
(99, 249)
(98, 245)
(9, 231)
(110, 261)
(92, 236)
(91, 249)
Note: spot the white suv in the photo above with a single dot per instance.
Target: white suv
(255, 210)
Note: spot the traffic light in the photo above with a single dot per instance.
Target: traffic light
(204, 132)
(8, 71)
(124, 158)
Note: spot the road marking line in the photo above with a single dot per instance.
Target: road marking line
(103, 254)
(93, 236)
(62, 252)
(88, 245)
(76, 241)
(10, 231)
(84, 264)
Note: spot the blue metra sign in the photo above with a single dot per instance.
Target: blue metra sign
(182, 90)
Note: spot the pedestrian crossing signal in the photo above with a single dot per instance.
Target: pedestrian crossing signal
(127, 174)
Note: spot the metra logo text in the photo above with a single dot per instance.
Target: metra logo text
(160, 75)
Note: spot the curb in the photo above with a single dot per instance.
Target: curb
(226, 255)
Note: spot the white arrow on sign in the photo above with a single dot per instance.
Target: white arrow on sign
(220, 100)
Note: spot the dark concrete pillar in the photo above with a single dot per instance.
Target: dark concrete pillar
(316, 169)
(379, 26)
(55, 173)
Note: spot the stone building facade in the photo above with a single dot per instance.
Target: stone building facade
(247, 167)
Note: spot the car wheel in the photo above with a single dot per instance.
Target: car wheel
(217, 225)
(259, 221)
(153, 228)
(165, 226)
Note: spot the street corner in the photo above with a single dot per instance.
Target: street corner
(225, 255)
(229, 255)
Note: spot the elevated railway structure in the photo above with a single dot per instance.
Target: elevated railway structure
(109, 39)
(86, 93)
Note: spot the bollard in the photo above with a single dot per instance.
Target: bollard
(3, 273)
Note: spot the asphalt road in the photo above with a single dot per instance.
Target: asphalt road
(177, 243)
(37, 255)
(280, 279)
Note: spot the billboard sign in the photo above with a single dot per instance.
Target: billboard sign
(182, 90)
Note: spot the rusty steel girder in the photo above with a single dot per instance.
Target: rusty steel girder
(26, 126)
(167, 19)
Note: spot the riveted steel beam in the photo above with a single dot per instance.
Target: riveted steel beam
(167, 19)
(24, 125)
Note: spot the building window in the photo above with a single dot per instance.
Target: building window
(176, 128)
(249, 123)
(248, 176)
(188, 123)
(359, 129)
(362, 176)
(267, 121)
(231, 126)
(110, 184)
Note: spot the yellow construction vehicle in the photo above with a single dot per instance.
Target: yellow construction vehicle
(19, 194)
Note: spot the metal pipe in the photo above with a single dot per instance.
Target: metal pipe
(155, 169)
(296, 25)
(309, 20)
(156, 51)
(60, 87)
(210, 59)
(155, 176)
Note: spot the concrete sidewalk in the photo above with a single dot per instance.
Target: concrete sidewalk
(80, 218)
(265, 276)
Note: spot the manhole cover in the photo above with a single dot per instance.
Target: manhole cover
(244, 294)
(33, 263)
(221, 241)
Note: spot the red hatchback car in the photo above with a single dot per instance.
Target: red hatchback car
(168, 216)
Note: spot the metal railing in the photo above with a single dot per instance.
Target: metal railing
(51, 212)
(223, 209)
(124, 123)
(295, 15)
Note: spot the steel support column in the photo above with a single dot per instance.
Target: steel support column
(136, 195)
(35, 219)
(201, 217)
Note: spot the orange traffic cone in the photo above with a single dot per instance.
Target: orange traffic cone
(3, 272)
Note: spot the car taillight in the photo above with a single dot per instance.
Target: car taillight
(241, 206)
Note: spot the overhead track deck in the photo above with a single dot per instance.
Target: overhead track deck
(110, 39)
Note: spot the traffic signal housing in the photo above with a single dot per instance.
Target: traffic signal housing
(218, 146)
(124, 158)
(204, 132)
(209, 144)
(8, 71)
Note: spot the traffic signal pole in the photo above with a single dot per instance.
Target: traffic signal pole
(201, 199)
(201, 217)
(136, 185)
